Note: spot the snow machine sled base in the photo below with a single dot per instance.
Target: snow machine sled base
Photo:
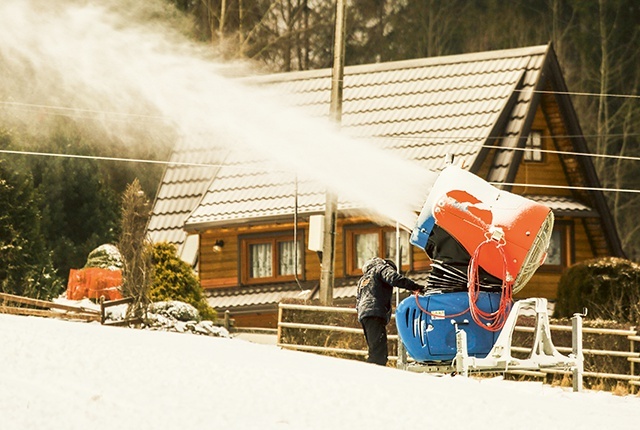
(543, 354)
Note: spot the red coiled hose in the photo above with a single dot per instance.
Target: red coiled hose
(492, 321)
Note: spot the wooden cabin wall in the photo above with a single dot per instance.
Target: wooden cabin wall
(545, 282)
(222, 269)
(219, 269)
(263, 320)
(550, 172)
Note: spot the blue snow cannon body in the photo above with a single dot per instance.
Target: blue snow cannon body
(430, 336)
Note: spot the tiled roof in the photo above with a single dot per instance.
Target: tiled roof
(564, 206)
(182, 187)
(422, 110)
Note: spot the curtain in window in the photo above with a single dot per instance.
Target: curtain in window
(287, 252)
(367, 247)
(390, 246)
(261, 260)
(554, 253)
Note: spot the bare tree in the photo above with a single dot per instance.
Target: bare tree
(135, 249)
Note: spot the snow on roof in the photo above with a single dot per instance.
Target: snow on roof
(421, 110)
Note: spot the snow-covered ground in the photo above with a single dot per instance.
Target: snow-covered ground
(68, 375)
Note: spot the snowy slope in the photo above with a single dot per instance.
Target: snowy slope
(67, 375)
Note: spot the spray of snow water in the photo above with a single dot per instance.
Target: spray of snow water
(123, 62)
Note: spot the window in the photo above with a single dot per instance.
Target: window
(271, 259)
(533, 147)
(390, 246)
(367, 246)
(558, 254)
(364, 243)
(554, 253)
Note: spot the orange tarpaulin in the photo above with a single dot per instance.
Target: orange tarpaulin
(93, 283)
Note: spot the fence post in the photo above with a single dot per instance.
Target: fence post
(103, 316)
(279, 332)
(632, 364)
(576, 346)
(227, 320)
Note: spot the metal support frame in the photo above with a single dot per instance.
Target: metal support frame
(544, 354)
(576, 350)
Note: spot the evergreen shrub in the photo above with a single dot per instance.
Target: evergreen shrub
(175, 280)
(608, 287)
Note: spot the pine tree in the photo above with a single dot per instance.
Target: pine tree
(25, 264)
(79, 209)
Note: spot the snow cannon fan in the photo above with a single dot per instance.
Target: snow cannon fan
(505, 234)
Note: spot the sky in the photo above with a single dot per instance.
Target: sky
(57, 374)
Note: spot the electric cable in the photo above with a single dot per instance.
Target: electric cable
(191, 164)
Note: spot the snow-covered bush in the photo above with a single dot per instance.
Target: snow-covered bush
(173, 316)
(105, 256)
(175, 310)
(181, 317)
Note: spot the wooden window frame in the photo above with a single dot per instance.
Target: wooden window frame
(274, 239)
(567, 246)
(350, 233)
(531, 150)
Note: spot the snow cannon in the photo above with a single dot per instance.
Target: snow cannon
(505, 234)
(427, 325)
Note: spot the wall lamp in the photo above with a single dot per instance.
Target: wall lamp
(218, 245)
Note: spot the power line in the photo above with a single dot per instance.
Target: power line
(64, 109)
(567, 187)
(574, 93)
(119, 159)
(549, 151)
(159, 117)
(483, 137)
(185, 164)
(553, 151)
(82, 113)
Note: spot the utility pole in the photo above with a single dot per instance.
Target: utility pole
(402, 353)
(327, 274)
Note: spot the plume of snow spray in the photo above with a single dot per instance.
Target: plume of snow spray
(89, 59)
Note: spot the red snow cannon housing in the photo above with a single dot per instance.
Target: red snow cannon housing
(94, 283)
(505, 234)
(510, 224)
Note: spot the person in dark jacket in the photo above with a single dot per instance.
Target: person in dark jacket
(373, 302)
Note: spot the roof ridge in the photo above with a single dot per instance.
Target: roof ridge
(402, 64)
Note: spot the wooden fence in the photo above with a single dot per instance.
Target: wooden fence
(43, 308)
(19, 305)
(299, 329)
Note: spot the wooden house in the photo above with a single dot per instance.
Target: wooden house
(506, 115)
